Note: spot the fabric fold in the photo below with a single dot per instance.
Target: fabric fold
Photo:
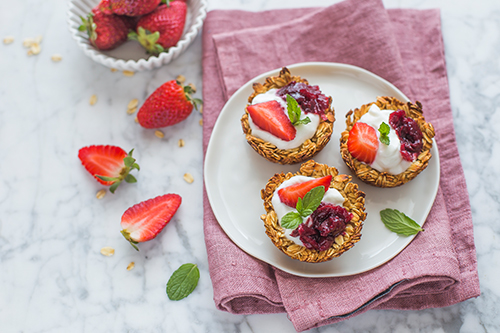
(403, 46)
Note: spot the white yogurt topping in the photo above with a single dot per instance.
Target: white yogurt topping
(388, 158)
(304, 132)
(331, 196)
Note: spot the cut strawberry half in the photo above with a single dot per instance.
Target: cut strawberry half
(363, 142)
(145, 220)
(270, 117)
(110, 165)
(290, 195)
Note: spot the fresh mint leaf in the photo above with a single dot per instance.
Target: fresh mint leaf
(384, 130)
(399, 223)
(294, 112)
(312, 199)
(183, 281)
(291, 220)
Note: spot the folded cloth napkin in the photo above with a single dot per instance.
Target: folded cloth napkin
(403, 46)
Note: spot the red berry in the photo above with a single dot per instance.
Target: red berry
(290, 195)
(105, 32)
(168, 105)
(270, 117)
(162, 28)
(145, 220)
(128, 7)
(363, 142)
(110, 165)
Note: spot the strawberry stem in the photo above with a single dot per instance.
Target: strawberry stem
(132, 242)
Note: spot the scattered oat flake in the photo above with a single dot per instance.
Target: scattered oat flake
(107, 251)
(27, 42)
(200, 109)
(93, 99)
(35, 49)
(114, 70)
(130, 266)
(181, 79)
(8, 40)
(188, 178)
(56, 57)
(159, 134)
(132, 111)
(136, 120)
(100, 194)
(181, 143)
(133, 103)
(128, 73)
(201, 122)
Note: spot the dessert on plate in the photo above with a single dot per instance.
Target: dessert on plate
(387, 143)
(315, 214)
(287, 120)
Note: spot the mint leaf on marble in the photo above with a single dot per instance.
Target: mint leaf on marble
(183, 281)
(399, 223)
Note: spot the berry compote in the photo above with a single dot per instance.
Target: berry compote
(318, 232)
(408, 133)
(309, 97)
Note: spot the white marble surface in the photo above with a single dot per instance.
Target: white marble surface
(52, 276)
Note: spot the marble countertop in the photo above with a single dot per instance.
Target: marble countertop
(52, 227)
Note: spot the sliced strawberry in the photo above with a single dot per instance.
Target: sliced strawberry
(145, 220)
(290, 195)
(363, 142)
(269, 116)
(110, 165)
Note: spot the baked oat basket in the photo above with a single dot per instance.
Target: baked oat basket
(306, 150)
(383, 179)
(354, 203)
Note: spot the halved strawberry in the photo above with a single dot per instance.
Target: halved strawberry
(270, 117)
(110, 165)
(363, 142)
(290, 195)
(145, 220)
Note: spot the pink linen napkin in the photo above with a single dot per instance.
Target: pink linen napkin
(403, 46)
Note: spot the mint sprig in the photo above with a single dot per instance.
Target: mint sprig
(305, 207)
(294, 111)
(399, 223)
(183, 281)
(384, 130)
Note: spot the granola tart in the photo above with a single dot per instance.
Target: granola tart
(372, 176)
(309, 147)
(354, 203)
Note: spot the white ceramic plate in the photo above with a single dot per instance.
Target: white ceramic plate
(235, 174)
(131, 56)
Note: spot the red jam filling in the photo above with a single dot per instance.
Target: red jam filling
(318, 232)
(408, 133)
(309, 97)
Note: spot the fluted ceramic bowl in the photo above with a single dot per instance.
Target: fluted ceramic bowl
(130, 56)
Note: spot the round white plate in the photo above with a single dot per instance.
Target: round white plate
(235, 174)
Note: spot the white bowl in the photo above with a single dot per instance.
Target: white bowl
(131, 56)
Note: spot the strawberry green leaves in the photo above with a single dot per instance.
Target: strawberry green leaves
(384, 130)
(305, 207)
(399, 223)
(148, 40)
(294, 112)
(183, 281)
(125, 175)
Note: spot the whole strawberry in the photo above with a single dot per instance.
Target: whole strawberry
(105, 32)
(162, 28)
(128, 7)
(145, 220)
(168, 105)
(110, 165)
